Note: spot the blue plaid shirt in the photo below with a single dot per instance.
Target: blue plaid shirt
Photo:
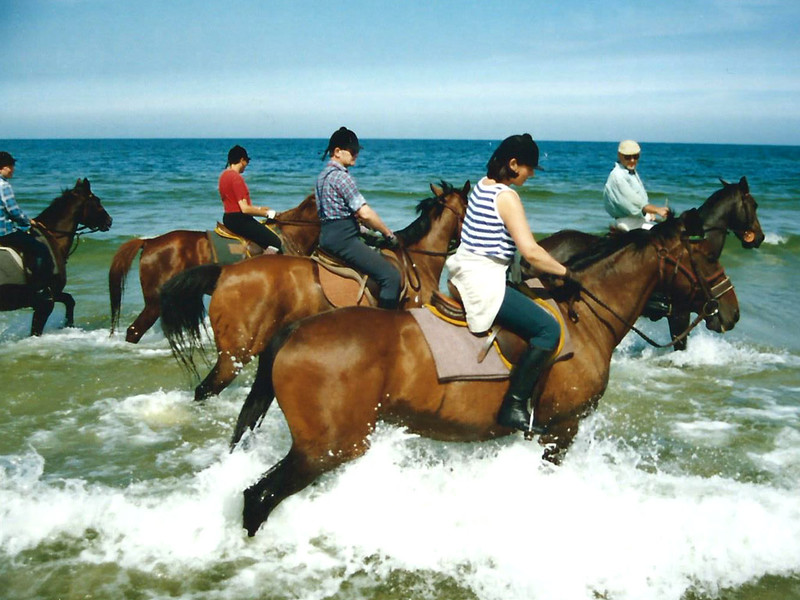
(11, 217)
(337, 193)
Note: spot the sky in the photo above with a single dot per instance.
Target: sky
(702, 71)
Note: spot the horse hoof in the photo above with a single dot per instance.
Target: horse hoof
(254, 514)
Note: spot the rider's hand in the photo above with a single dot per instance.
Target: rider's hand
(271, 214)
(392, 242)
(571, 277)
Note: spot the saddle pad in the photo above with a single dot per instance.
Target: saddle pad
(11, 269)
(455, 350)
(226, 250)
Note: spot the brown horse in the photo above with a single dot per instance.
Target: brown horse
(730, 209)
(335, 374)
(253, 299)
(59, 225)
(165, 256)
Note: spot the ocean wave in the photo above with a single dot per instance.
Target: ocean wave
(413, 506)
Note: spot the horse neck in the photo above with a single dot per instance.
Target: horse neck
(429, 267)
(60, 222)
(302, 235)
(624, 286)
(718, 214)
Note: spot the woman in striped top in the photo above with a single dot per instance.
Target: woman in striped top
(494, 228)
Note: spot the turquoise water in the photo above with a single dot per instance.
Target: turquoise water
(683, 484)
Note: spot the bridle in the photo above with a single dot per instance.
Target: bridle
(742, 232)
(712, 287)
(408, 264)
(442, 200)
(75, 234)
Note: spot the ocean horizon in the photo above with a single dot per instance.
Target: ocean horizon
(682, 485)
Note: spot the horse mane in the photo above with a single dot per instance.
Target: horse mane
(609, 245)
(309, 204)
(427, 209)
(57, 206)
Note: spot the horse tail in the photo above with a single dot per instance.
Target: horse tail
(262, 393)
(117, 273)
(183, 311)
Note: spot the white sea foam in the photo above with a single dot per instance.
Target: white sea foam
(775, 239)
(492, 516)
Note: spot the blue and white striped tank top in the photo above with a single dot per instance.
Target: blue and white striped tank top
(484, 232)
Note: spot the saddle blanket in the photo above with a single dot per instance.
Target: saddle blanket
(11, 269)
(455, 350)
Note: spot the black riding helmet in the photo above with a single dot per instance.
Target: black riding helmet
(343, 138)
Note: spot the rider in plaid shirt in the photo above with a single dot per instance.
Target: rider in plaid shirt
(13, 220)
(341, 207)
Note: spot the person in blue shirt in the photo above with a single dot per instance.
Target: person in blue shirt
(14, 226)
(624, 196)
(341, 208)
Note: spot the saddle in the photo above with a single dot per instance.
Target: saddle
(15, 266)
(345, 286)
(12, 269)
(508, 344)
(228, 248)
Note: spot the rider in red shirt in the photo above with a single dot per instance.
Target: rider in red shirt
(239, 210)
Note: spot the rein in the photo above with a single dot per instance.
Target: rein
(712, 293)
(60, 233)
(277, 221)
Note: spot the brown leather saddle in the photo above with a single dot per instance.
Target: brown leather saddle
(345, 286)
(228, 248)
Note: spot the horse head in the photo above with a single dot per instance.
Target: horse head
(92, 214)
(733, 209)
(455, 201)
(690, 271)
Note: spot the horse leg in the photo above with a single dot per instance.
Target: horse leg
(222, 373)
(558, 438)
(69, 304)
(293, 473)
(42, 309)
(678, 323)
(143, 322)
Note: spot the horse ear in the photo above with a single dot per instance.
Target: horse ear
(465, 189)
(437, 191)
(722, 181)
(745, 187)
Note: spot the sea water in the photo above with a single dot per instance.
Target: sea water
(684, 482)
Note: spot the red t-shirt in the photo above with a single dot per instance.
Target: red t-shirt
(232, 188)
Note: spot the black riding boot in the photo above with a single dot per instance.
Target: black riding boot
(388, 304)
(514, 410)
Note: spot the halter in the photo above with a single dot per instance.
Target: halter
(713, 288)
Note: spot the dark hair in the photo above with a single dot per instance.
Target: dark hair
(6, 160)
(522, 147)
(236, 154)
(344, 139)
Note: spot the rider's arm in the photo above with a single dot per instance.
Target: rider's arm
(11, 208)
(258, 211)
(509, 206)
(371, 219)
